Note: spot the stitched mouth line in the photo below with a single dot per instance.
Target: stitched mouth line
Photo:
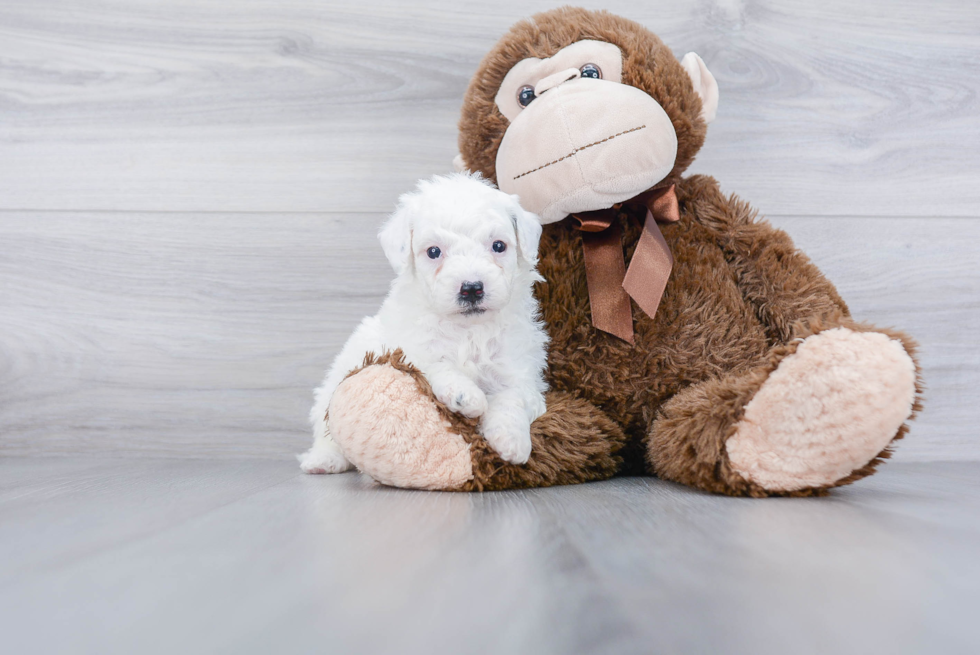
(577, 150)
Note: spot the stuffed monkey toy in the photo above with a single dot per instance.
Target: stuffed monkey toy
(689, 340)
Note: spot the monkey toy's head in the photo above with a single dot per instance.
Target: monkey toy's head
(576, 111)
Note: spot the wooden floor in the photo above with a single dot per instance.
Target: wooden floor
(151, 556)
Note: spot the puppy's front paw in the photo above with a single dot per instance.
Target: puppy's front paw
(461, 396)
(508, 431)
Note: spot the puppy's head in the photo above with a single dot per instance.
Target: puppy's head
(467, 244)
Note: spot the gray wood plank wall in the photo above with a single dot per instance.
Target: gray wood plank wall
(189, 192)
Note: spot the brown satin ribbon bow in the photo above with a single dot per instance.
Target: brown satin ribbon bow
(610, 285)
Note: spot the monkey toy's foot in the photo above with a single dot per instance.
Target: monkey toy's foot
(826, 411)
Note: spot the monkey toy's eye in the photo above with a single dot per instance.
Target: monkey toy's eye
(591, 70)
(525, 95)
(499, 246)
(433, 252)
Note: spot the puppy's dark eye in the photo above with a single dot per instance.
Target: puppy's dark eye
(499, 246)
(525, 95)
(433, 252)
(591, 70)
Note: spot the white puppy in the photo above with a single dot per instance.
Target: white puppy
(462, 310)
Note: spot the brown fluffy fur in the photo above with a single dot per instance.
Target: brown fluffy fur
(739, 295)
(574, 442)
(738, 300)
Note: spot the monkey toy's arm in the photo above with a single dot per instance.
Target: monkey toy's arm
(825, 405)
(392, 427)
(787, 291)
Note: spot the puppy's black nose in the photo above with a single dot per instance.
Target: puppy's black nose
(471, 292)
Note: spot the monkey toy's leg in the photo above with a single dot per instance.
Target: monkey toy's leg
(819, 414)
(392, 428)
(823, 407)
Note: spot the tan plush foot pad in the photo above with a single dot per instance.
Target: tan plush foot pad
(827, 410)
(393, 433)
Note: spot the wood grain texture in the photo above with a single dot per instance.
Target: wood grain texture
(176, 333)
(835, 107)
(165, 556)
(203, 335)
(220, 174)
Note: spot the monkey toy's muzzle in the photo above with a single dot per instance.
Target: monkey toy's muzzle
(584, 145)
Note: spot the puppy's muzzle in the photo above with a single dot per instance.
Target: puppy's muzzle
(470, 294)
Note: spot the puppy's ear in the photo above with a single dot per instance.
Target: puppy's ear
(527, 227)
(396, 236)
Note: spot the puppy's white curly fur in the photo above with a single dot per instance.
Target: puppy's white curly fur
(483, 359)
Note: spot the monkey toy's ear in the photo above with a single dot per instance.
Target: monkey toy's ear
(396, 235)
(527, 227)
(704, 85)
(459, 165)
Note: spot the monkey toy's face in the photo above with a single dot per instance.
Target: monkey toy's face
(583, 128)
(579, 139)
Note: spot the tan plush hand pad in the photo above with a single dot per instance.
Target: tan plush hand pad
(395, 434)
